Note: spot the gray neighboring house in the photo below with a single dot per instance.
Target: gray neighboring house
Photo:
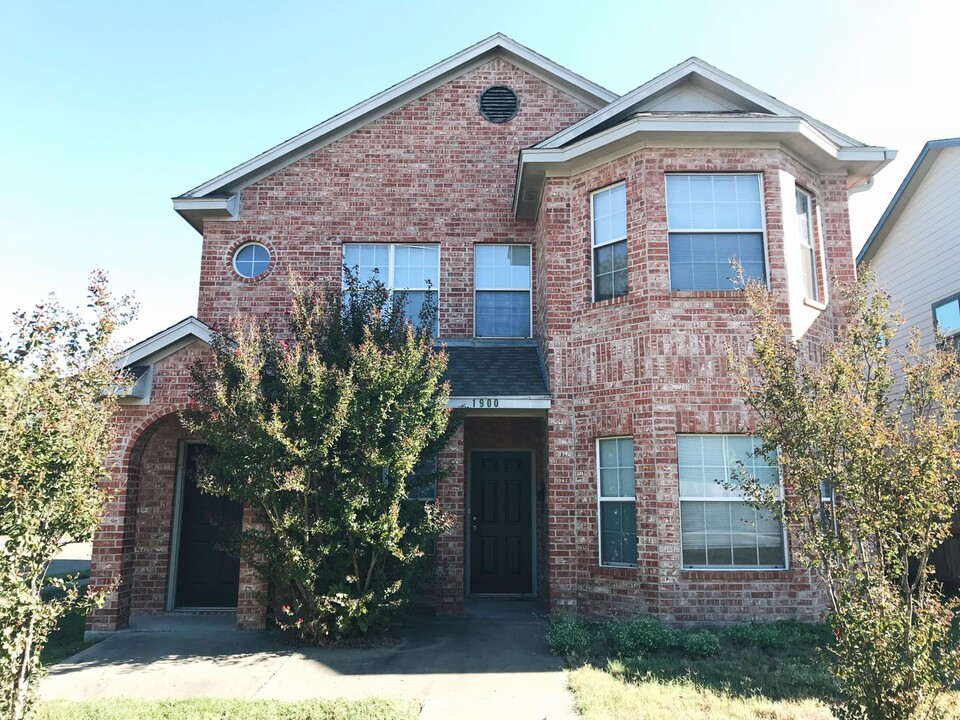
(914, 250)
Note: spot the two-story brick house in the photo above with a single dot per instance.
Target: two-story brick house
(578, 243)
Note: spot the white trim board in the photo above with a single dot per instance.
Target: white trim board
(274, 159)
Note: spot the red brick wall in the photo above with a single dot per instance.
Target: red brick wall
(651, 365)
(431, 171)
(131, 548)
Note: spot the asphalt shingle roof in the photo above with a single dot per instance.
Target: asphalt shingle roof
(495, 370)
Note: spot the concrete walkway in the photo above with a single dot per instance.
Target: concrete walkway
(474, 667)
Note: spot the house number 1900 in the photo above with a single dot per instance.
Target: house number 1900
(486, 402)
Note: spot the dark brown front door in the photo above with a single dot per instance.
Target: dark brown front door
(501, 527)
(207, 577)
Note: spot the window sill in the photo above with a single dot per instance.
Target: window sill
(610, 301)
(700, 294)
(734, 573)
(615, 571)
(815, 304)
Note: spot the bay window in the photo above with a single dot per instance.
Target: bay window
(712, 219)
(608, 212)
(718, 529)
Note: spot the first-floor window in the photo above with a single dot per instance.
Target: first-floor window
(946, 318)
(718, 529)
(617, 500)
(413, 270)
(421, 483)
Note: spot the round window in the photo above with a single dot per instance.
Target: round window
(251, 260)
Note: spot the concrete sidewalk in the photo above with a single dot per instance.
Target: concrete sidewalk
(472, 667)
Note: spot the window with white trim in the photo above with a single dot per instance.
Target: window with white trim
(946, 319)
(501, 280)
(617, 502)
(411, 269)
(251, 260)
(808, 252)
(421, 483)
(608, 213)
(717, 528)
(712, 219)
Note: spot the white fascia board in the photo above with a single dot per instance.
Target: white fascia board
(549, 161)
(495, 402)
(222, 207)
(166, 342)
(709, 73)
(866, 154)
(396, 96)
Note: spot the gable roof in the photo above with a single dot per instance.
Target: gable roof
(215, 196)
(692, 100)
(166, 342)
(908, 188)
(742, 96)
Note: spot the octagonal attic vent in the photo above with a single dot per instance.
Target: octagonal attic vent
(498, 103)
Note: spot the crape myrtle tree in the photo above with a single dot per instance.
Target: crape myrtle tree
(318, 432)
(55, 408)
(867, 440)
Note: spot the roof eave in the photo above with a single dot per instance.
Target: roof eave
(165, 342)
(706, 71)
(196, 210)
(396, 96)
(916, 174)
(806, 140)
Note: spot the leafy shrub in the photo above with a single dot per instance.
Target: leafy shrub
(568, 636)
(700, 644)
(638, 636)
(777, 635)
(318, 434)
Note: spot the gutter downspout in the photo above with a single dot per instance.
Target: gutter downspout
(862, 187)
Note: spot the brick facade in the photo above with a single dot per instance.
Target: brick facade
(649, 365)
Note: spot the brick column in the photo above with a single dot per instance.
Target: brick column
(112, 556)
(562, 531)
(251, 607)
(451, 546)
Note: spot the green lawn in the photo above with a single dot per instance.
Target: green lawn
(218, 709)
(643, 671)
(67, 637)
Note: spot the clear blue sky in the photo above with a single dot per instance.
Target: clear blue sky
(108, 109)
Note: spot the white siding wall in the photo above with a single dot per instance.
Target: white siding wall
(919, 261)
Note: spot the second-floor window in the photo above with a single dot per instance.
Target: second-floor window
(502, 291)
(608, 213)
(712, 219)
(411, 269)
(808, 252)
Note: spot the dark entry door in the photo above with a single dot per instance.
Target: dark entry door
(207, 577)
(501, 523)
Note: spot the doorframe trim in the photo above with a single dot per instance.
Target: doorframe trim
(174, 556)
(175, 527)
(468, 556)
